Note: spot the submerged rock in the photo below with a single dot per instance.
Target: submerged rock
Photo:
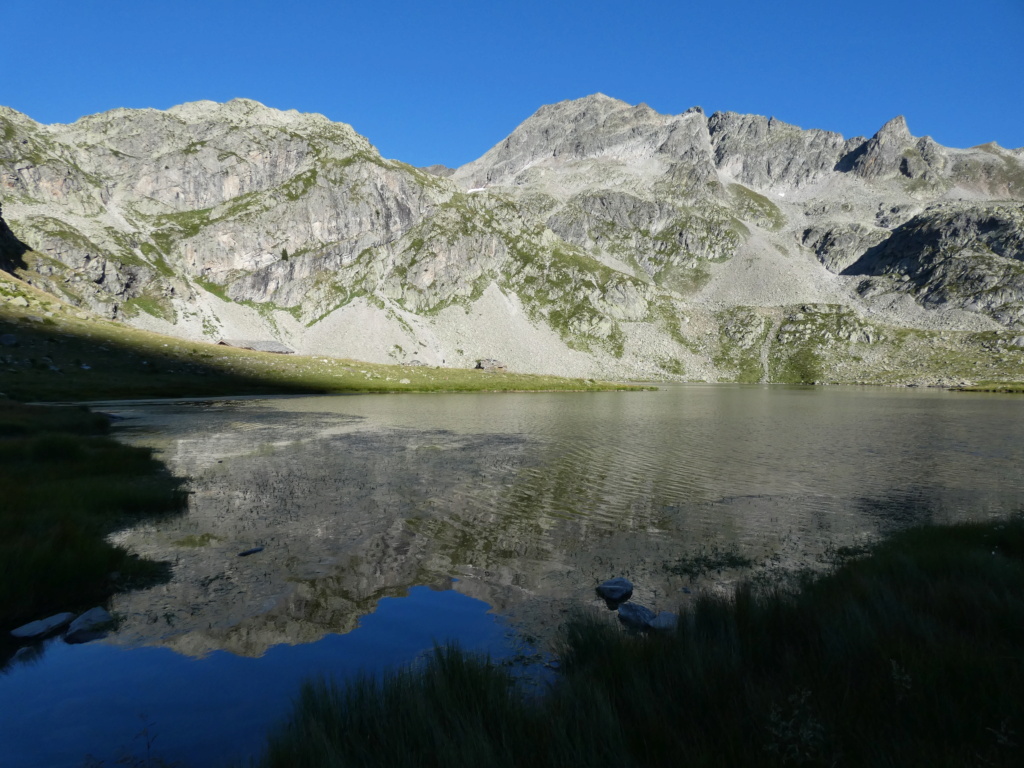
(615, 591)
(38, 629)
(91, 625)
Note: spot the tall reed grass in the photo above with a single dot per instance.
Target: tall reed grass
(912, 655)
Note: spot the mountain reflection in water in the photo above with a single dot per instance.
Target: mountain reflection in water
(529, 500)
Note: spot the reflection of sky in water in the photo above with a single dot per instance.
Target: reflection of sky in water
(97, 698)
(529, 500)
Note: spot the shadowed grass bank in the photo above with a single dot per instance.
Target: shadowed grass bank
(66, 485)
(910, 656)
(995, 386)
(50, 351)
(108, 361)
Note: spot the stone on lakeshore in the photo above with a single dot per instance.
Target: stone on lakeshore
(665, 622)
(490, 364)
(615, 591)
(91, 625)
(636, 616)
(37, 629)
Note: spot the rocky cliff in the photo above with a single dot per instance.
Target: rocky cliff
(598, 238)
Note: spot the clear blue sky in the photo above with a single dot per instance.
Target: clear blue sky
(442, 81)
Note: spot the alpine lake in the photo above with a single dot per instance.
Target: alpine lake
(380, 525)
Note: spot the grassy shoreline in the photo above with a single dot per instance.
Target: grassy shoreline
(912, 655)
(109, 361)
(53, 352)
(995, 386)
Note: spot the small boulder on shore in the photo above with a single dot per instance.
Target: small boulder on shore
(636, 616)
(665, 622)
(615, 591)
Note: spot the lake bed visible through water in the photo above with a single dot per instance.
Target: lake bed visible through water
(386, 523)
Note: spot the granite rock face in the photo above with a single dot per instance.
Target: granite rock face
(764, 152)
(969, 256)
(598, 238)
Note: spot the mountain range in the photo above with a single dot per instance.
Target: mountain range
(597, 239)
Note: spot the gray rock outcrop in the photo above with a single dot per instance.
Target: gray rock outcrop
(597, 239)
(965, 255)
(636, 616)
(764, 152)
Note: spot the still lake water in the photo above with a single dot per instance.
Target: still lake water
(389, 523)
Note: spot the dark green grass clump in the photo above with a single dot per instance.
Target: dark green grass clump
(910, 656)
(65, 487)
(995, 386)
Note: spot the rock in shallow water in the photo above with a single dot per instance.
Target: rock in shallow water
(37, 629)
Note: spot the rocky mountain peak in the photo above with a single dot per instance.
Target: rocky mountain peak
(895, 131)
(243, 111)
(595, 127)
(884, 153)
(598, 237)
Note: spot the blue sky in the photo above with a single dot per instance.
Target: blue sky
(442, 81)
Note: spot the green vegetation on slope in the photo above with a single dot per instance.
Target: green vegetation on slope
(756, 208)
(61, 354)
(911, 656)
(65, 487)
